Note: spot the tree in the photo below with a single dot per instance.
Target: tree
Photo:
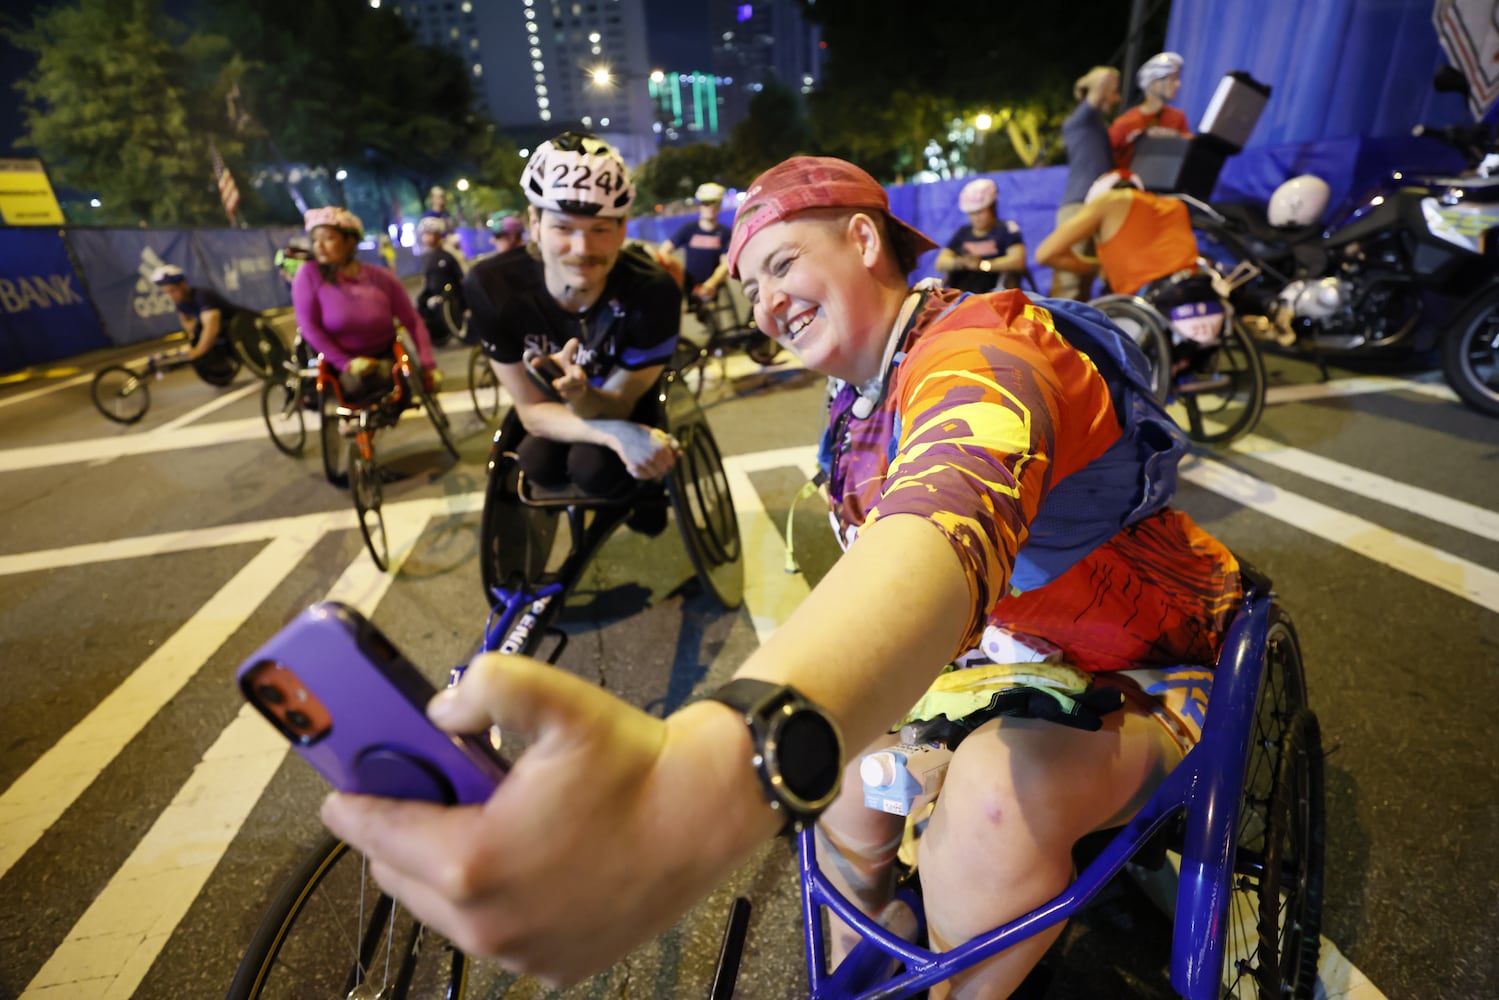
(352, 89)
(774, 128)
(675, 172)
(118, 104)
(895, 81)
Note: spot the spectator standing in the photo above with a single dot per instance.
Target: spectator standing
(1089, 157)
(1159, 80)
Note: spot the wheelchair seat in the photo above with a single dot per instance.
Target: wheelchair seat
(520, 518)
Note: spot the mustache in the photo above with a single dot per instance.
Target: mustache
(581, 260)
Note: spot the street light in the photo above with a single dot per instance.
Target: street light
(982, 123)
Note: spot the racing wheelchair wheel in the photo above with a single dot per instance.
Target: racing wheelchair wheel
(281, 409)
(699, 492)
(120, 394)
(258, 346)
(332, 932)
(1147, 328)
(335, 468)
(364, 484)
(483, 386)
(515, 539)
(434, 411)
(1275, 911)
(217, 368)
(1222, 389)
(761, 349)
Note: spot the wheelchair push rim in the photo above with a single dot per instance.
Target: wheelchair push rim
(700, 497)
(335, 454)
(281, 409)
(364, 485)
(483, 386)
(120, 394)
(1221, 394)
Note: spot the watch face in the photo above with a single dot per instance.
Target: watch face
(808, 757)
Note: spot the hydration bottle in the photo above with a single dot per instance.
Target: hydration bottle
(899, 778)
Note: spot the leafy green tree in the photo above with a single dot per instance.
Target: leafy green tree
(901, 86)
(118, 104)
(337, 86)
(774, 128)
(674, 173)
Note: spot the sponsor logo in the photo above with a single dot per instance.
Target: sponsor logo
(37, 291)
(148, 300)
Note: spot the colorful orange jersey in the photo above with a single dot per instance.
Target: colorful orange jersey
(1007, 438)
(1155, 240)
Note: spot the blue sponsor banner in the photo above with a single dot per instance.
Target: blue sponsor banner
(117, 265)
(239, 264)
(44, 313)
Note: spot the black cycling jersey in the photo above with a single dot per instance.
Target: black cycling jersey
(200, 299)
(633, 324)
(439, 270)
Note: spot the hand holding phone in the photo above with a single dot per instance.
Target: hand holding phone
(544, 370)
(355, 709)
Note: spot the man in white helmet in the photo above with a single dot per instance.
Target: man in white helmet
(704, 243)
(595, 320)
(1159, 80)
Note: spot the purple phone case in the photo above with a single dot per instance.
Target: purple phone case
(380, 741)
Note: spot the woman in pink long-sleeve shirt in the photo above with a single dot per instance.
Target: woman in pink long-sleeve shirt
(347, 311)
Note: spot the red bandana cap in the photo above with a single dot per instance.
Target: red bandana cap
(802, 183)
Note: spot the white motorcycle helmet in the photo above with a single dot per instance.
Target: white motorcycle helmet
(1300, 201)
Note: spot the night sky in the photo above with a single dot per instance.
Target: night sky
(677, 34)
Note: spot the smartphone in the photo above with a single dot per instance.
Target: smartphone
(355, 709)
(543, 370)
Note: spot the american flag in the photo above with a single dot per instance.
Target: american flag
(228, 190)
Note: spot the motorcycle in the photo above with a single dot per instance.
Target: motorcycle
(1380, 277)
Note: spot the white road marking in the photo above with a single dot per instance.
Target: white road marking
(45, 389)
(1402, 496)
(220, 401)
(1426, 563)
(1305, 392)
(112, 946)
(112, 954)
(48, 787)
(145, 441)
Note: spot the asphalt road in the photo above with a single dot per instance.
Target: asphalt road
(146, 818)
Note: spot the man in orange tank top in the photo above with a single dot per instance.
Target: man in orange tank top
(1140, 236)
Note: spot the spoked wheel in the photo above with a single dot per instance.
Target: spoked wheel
(120, 394)
(515, 540)
(1470, 355)
(483, 386)
(435, 413)
(335, 468)
(1146, 328)
(762, 350)
(690, 362)
(1275, 912)
(258, 346)
(1221, 391)
(364, 484)
(699, 491)
(217, 368)
(281, 409)
(332, 933)
(453, 317)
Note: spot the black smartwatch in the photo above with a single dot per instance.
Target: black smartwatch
(798, 752)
